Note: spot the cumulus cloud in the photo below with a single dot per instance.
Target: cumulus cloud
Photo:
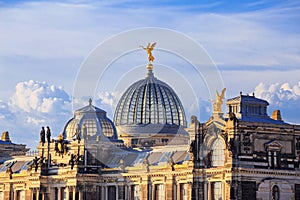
(34, 96)
(47, 35)
(278, 93)
(34, 104)
(283, 96)
(108, 101)
(35, 121)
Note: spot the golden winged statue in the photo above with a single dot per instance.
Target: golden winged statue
(219, 101)
(149, 49)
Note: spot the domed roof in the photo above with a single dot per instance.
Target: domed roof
(149, 101)
(90, 122)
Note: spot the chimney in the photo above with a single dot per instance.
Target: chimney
(5, 137)
(276, 115)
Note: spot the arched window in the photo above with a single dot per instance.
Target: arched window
(275, 193)
(218, 154)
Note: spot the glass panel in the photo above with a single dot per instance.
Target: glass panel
(91, 126)
(107, 129)
(218, 157)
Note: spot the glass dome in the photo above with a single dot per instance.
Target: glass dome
(90, 122)
(149, 101)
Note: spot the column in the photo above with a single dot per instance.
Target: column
(150, 194)
(209, 190)
(127, 191)
(80, 195)
(206, 190)
(67, 192)
(59, 193)
(117, 192)
(169, 188)
(189, 188)
(144, 191)
(99, 192)
(74, 192)
(37, 192)
(15, 195)
(174, 190)
(178, 190)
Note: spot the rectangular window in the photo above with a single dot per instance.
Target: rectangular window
(159, 192)
(183, 191)
(248, 190)
(135, 192)
(134, 141)
(56, 193)
(70, 195)
(297, 191)
(273, 159)
(216, 191)
(34, 195)
(112, 191)
(165, 140)
(20, 195)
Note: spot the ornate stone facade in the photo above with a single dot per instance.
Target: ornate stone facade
(242, 155)
(247, 155)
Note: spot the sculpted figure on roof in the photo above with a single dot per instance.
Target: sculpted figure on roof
(217, 104)
(149, 49)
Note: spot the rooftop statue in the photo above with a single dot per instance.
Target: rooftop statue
(42, 135)
(149, 49)
(219, 101)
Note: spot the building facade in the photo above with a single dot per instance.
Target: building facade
(149, 153)
(247, 154)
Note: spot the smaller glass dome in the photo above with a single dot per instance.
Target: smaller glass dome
(90, 122)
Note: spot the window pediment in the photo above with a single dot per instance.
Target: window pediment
(273, 145)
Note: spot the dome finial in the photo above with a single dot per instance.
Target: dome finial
(90, 102)
(149, 49)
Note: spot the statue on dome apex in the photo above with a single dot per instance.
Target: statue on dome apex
(149, 49)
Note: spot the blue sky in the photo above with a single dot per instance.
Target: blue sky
(254, 44)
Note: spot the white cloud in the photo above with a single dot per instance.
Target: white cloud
(108, 101)
(278, 93)
(35, 121)
(34, 96)
(33, 105)
(108, 98)
(42, 37)
(283, 96)
(72, 30)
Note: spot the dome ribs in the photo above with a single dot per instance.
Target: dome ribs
(154, 104)
(122, 106)
(93, 120)
(149, 101)
(167, 107)
(131, 118)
